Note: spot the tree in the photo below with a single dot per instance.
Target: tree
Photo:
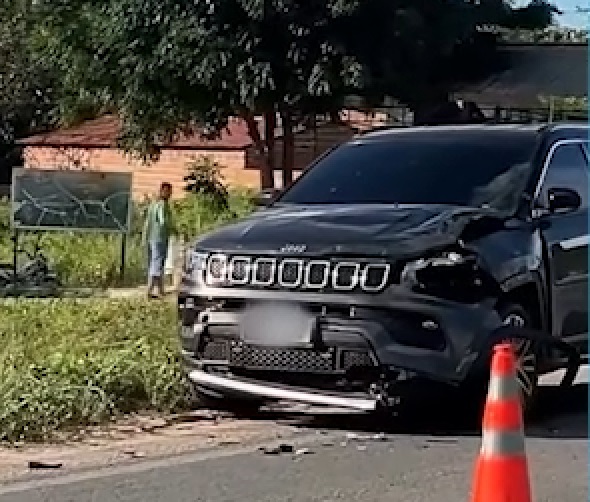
(427, 45)
(166, 65)
(25, 83)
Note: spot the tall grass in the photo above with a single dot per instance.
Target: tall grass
(76, 362)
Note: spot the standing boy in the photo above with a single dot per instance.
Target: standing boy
(157, 231)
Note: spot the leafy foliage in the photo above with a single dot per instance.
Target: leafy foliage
(26, 90)
(168, 67)
(71, 363)
(205, 178)
(566, 103)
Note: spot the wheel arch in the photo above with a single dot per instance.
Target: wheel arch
(528, 291)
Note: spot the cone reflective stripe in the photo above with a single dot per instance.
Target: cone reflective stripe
(502, 444)
(502, 387)
(501, 470)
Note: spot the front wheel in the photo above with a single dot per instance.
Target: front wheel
(526, 354)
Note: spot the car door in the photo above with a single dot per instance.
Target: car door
(566, 238)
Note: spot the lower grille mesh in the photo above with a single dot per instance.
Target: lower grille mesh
(293, 360)
(355, 358)
(250, 357)
(216, 351)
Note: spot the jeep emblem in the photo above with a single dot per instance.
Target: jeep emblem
(293, 248)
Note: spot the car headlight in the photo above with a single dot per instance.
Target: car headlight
(412, 271)
(195, 263)
(451, 276)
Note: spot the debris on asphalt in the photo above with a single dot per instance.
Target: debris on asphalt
(282, 448)
(228, 442)
(442, 441)
(194, 416)
(134, 453)
(351, 436)
(34, 464)
(154, 424)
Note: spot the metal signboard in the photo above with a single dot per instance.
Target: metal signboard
(71, 200)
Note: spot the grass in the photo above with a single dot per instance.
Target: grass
(71, 363)
(93, 260)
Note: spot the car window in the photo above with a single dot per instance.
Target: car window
(568, 168)
(462, 169)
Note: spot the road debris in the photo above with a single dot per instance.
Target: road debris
(228, 442)
(195, 416)
(352, 436)
(134, 453)
(282, 448)
(35, 464)
(442, 441)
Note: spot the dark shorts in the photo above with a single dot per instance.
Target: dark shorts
(157, 252)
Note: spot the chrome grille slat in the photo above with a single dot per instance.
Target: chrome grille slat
(297, 273)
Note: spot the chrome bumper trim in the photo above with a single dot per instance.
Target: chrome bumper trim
(223, 383)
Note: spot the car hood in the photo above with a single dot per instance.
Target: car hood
(380, 230)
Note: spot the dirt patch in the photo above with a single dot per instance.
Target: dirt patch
(136, 437)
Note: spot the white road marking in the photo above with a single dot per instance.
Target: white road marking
(554, 379)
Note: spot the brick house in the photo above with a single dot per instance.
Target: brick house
(91, 145)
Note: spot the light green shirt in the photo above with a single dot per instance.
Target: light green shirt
(158, 223)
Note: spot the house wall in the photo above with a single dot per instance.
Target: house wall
(171, 166)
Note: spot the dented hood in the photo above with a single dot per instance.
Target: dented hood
(376, 230)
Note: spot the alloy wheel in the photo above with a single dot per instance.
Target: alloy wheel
(526, 359)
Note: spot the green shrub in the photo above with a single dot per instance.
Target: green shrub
(66, 363)
(93, 259)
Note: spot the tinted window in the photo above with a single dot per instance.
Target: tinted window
(568, 156)
(568, 168)
(462, 168)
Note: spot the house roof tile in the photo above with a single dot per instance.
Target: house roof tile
(103, 132)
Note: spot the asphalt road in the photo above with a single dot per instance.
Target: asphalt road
(420, 458)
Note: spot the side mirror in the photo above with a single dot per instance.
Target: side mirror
(563, 200)
(266, 197)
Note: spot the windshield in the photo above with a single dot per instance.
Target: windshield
(490, 168)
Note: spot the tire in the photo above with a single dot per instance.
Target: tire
(527, 354)
(235, 405)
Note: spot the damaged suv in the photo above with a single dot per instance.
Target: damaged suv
(397, 259)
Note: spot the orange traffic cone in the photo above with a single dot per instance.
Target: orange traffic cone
(501, 471)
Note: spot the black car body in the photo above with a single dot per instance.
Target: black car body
(396, 259)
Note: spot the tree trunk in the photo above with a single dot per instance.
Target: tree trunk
(266, 174)
(288, 149)
(270, 125)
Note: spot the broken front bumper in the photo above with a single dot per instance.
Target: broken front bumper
(401, 332)
(231, 385)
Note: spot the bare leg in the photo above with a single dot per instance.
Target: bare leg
(160, 283)
(151, 284)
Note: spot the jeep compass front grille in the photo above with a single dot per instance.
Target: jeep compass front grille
(239, 355)
(296, 273)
